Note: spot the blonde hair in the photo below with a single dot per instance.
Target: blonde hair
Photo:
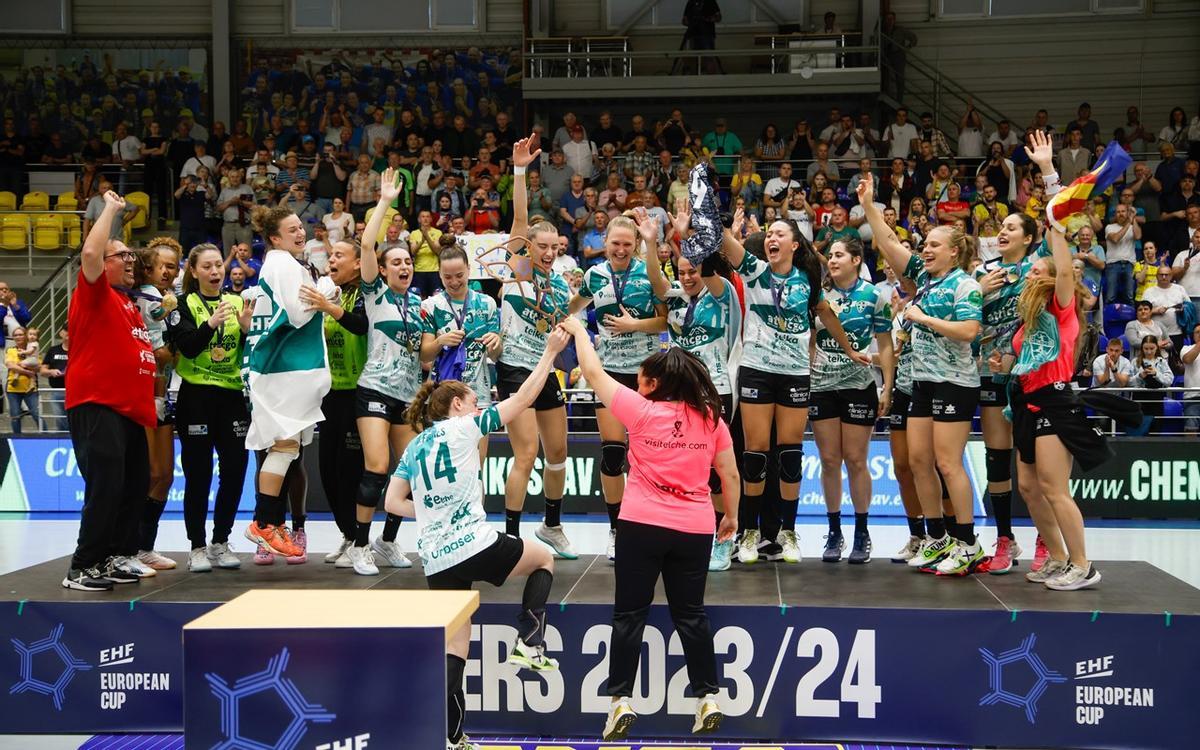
(961, 242)
(1036, 296)
(541, 226)
(625, 222)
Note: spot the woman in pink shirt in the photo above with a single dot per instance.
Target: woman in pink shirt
(667, 519)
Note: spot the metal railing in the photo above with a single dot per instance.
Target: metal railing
(41, 235)
(49, 308)
(566, 63)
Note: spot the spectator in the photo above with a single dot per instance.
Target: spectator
(378, 130)
(1175, 204)
(770, 150)
(970, 137)
(54, 369)
(483, 166)
(679, 188)
(1088, 129)
(611, 199)
(557, 175)
(929, 170)
(953, 208)
(927, 132)
(241, 258)
(1167, 297)
(822, 164)
(1169, 169)
(838, 229)
(661, 174)
(1112, 369)
(1151, 371)
(95, 209)
(606, 165)
(22, 364)
(897, 189)
(451, 188)
(13, 312)
(1121, 236)
(200, 159)
(776, 190)
(362, 188)
(858, 221)
(639, 160)
(1092, 255)
(235, 202)
(1144, 325)
(591, 245)
(637, 128)
(126, 149)
(798, 210)
(1091, 300)
(460, 141)
(694, 152)
(672, 133)
(1005, 136)
(1075, 159)
(1175, 131)
(541, 205)
(748, 185)
(835, 124)
(864, 173)
(425, 242)
(901, 136)
(338, 224)
(988, 214)
(724, 145)
(12, 158)
(701, 17)
(428, 176)
(1190, 357)
(562, 136)
(484, 213)
(572, 200)
(607, 132)
(564, 264)
(327, 181)
(801, 143)
(998, 169)
(580, 154)
(1185, 271)
(1145, 271)
(316, 254)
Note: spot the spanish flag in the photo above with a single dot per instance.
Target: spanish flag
(1066, 210)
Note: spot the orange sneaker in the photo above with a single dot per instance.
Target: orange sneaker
(274, 539)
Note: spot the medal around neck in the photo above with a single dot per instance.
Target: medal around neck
(519, 269)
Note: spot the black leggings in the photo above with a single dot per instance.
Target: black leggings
(114, 462)
(341, 458)
(211, 418)
(643, 553)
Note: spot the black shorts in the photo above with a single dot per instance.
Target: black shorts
(758, 387)
(509, 380)
(898, 416)
(993, 392)
(492, 565)
(1027, 428)
(858, 406)
(369, 403)
(945, 402)
(726, 407)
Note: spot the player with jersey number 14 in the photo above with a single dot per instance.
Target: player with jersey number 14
(458, 546)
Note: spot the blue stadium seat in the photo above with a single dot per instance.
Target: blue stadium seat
(1115, 318)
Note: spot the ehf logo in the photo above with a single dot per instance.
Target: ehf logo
(1043, 677)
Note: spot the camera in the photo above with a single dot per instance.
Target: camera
(479, 203)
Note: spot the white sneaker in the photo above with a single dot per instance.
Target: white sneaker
(1049, 570)
(620, 719)
(332, 557)
(362, 559)
(708, 715)
(1074, 578)
(198, 561)
(612, 545)
(748, 547)
(556, 539)
(932, 551)
(909, 550)
(791, 546)
(222, 554)
(155, 560)
(531, 657)
(389, 554)
(344, 560)
(136, 567)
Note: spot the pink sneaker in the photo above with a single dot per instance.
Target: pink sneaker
(300, 540)
(1005, 556)
(263, 556)
(1040, 555)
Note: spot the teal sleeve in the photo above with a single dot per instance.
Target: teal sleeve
(968, 301)
(914, 268)
(488, 420)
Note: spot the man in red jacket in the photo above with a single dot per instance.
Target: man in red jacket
(110, 402)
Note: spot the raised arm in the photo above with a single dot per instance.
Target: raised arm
(510, 407)
(648, 229)
(1064, 273)
(524, 153)
(92, 255)
(885, 239)
(390, 187)
(602, 384)
(731, 248)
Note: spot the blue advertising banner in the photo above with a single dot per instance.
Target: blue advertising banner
(1033, 679)
(41, 475)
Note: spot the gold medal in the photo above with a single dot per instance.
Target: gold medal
(543, 326)
(217, 354)
(678, 329)
(902, 336)
(1013, 276)
(782, 324)
(408, 346)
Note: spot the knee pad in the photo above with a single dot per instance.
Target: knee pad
(999, 464)
(754, 466)
(791, 463)
(612, 458)
(278, 461)
(370, 489)
(714, 482)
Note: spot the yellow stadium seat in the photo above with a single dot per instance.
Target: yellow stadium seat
(14, 232)
(138, 198)
(8, 201)
(36, 201)
(47, 233)
(67, 202)
(74, 227)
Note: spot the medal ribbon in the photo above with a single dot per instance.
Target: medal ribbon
(777, 291)
(460, 320)
(404, 317)
(691, 312)
(619, 288)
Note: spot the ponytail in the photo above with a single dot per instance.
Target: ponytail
(683, 377)
(432, 402)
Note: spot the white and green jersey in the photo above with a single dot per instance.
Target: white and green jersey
(284, 361)
(704, 325)
(777, 318)
(476, 315)
(442, 467)
(526, 331)
(393, 365)
(953, 297)
(863, 312)
(610, 290)
(903, 348)
(1000, 318)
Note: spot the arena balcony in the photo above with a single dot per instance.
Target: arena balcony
(780, 65)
